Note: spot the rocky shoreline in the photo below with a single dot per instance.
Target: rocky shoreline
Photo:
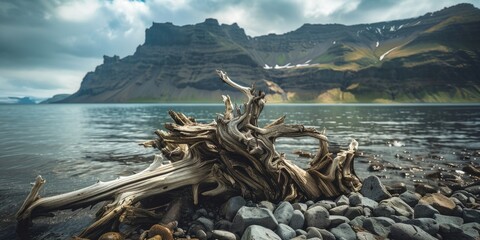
(372, 213)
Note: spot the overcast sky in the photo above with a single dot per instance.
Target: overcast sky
(47, 46)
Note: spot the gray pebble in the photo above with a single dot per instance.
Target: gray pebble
(298, 220)
(411, 198)
(424, 211)
(299, 232)
(223, 235)
(268, 205)
(336, 220)
(403, 231)
(378, 225)
(284, 212)
(353, 212)
(326, 235)
(373, 188)
(365, 236)
(247, 216)
(300, 206)
(229, 210)
(317, 217)
(342, 200)
(344, 232)
(285, 232)
(471, 215)
(445, 219)
(340, 210)
(326, 204)
(383, 211)
(207, 223)
(299, 237)
(427, 224)
(256, 232)
(400, 207)
(358, 221)
(313, 232)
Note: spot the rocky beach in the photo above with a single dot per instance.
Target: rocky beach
(372, 213)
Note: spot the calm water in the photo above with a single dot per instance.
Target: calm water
(73, 146)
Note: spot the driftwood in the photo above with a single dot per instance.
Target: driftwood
(232, 154)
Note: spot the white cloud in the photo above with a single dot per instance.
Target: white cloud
(324, 8)
(78, 11)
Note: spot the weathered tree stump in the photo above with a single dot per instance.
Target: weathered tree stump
(231, 153)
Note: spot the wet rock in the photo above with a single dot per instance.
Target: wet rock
(353, 212)
(427, 224)
(356, 199)
(445, 219)
(298, 220)
(231, 207)
(268, 205)
(326, 235)
(400, 207)
(207, 223)
(396, 188)
(383, 211)
(411, 198)
(471, 215)
(374, 189)
(342, 200)
(299, 237)
(406, 231)
(424, 211)
(357, 222)
(336, 220)
(340, 210)
(471, 229)
(326, 204)
(367, 212)
(423, 188)
(313, 232)
(302, 207)
(376, 166)
(256, 232)
(285, 232)
(344, 232)
(443, 204)
(300, 232)
(309, 203)
(223, 235)
(451, 231)
(223, 224)
(317, 217)
(473, 189)
(112, 236)
(365, 236)
(399, 218)
(248, 216)
(200, 234)
(378, 225)
(445, 190)
(202, 212)
(284, 212)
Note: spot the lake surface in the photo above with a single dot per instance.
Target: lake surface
(75, 145)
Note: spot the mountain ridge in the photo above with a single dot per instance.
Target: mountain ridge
(432, 58)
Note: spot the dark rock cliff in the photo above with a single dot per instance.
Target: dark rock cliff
(432, 58)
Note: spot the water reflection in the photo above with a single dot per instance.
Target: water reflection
(73, 146)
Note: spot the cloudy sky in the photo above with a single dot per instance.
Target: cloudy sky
(47, 46)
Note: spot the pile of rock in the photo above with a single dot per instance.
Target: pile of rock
(372, 213)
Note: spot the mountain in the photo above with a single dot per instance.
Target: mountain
(431, 58)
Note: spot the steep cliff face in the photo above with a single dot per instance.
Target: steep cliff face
(432, 58)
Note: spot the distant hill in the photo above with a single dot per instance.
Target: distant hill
(55, 99)
(431, 58)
